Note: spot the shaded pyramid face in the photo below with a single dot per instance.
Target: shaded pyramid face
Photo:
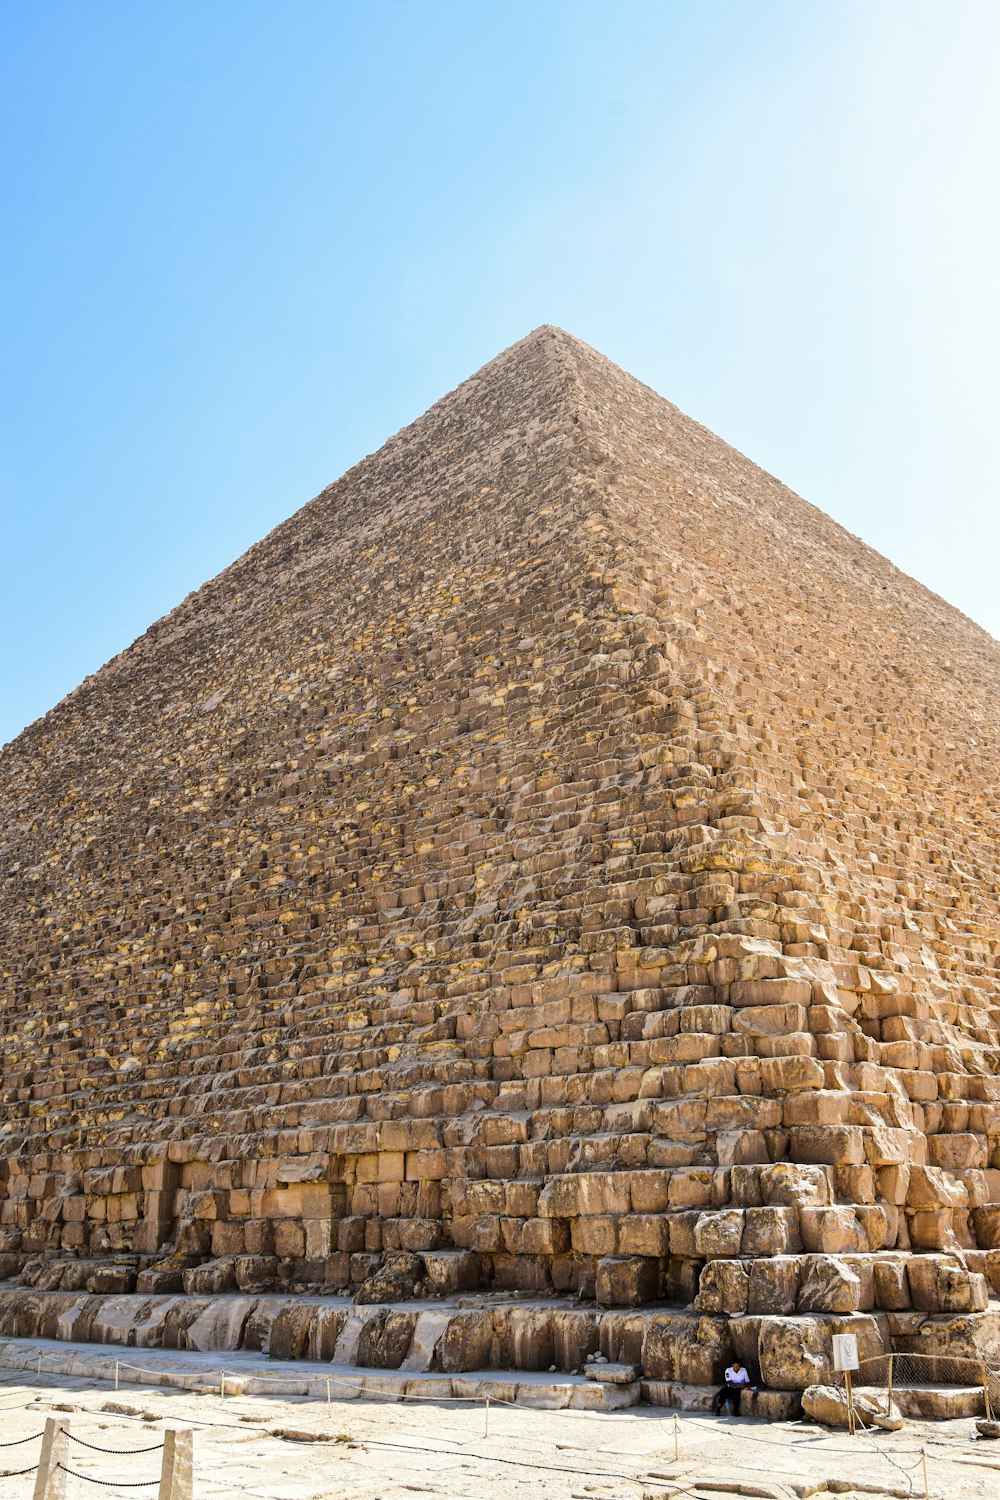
(558, 843)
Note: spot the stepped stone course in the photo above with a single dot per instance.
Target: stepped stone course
(557, 859)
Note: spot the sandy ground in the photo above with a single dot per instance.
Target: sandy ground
(381, 1450)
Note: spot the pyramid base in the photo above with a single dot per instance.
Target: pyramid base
(678, 1356)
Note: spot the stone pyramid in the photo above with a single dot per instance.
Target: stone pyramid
(558, 858)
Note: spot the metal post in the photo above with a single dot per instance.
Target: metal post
(50, 1480)
(850, 1403)
(176, 1466)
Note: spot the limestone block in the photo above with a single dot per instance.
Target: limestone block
(814, 1109)
(758, 992)
(594, 1234)
(213, 1276)
(785, 1075)
(787, 1353)
(467, 1342)
(649, 1191)
(880, 1222)
(828, 1284)
(690, 1187)
(228, 1238)
(938, 1284)
(795, 1185)
(893, 1183)
(892, 1288)
(289, 1238)
(831, 1230)
(741, 1147)
(449, 1271)
(828, 1404)
(932, 1229)
(290, 1331)
(932, 1187)
(986, 1225)
(745, 1185)
(723, 1287)
(626, 1281)
(719, 1232)
(774, 1284)
(836, 1144)
(771, 1231)
(644, 1234)
(394, 1281)
(855, 1184)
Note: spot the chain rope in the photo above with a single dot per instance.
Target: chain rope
(121, 1452)
(17, 1441)
(111, 1484)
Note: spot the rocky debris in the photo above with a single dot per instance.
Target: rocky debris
(123, 1409)
(988, 1429)
(828, 1404)
(559, 859)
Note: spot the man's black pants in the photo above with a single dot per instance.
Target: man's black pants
(729, 1393)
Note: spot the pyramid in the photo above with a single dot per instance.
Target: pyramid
(557, 859)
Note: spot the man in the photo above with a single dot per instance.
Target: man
(737, 1380)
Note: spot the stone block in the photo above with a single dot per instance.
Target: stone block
(626, 1281)
(828, 1284)
(774, 1284)
(719, 1232)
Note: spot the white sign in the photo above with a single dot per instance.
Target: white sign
(845, 1351)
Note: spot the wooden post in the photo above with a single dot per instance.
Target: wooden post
(486, 1432)
(986, 1393)
(116, 1374)
(677, 1440)
(328, 1395)
(850, 1403)
(50, 1480)
(923, 1460)
(888, 1404)
(176, 1466)
(222, 1384)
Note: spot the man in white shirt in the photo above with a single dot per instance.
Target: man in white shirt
(737, 1381)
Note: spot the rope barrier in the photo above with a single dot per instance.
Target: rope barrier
(111, 1484)
(120, 1452)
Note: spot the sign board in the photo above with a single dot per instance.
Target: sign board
(845, 1351)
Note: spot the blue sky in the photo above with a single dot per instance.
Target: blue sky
(245, 242)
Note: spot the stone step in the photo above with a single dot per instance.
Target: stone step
(247, 1374)
(938, 1402)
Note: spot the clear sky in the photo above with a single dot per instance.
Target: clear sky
(244, 242)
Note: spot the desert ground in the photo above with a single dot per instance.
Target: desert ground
(294, 1448)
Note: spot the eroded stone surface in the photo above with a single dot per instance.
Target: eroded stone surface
(557, 859)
